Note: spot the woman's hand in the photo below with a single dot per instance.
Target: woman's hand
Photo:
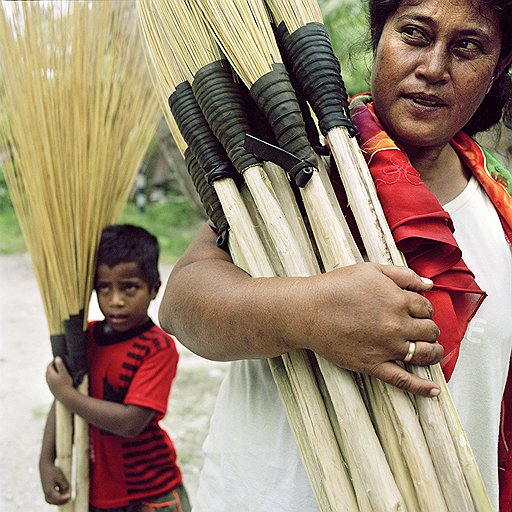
(58, 378)
(363, 318)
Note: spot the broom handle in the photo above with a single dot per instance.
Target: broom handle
(82, 456)
(382, 249)
(292, 372)
(63, 445)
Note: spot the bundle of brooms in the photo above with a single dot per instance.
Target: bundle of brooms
(401, 452)
(80, 113)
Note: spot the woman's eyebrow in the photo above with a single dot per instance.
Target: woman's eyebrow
(470, 31)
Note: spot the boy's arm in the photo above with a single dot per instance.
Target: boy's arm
(122, 420)
(54, 483)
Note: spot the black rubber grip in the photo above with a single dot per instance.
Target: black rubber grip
(198, 135)
(76, 340)
(275, 96)
(58, 343)
(316, 71)
(209, 199)
(222, 103)
(281, 34)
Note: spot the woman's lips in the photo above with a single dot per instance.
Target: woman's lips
(425, 100)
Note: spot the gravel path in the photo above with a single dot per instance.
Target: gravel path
(25, 399)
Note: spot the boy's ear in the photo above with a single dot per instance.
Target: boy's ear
(154, 290)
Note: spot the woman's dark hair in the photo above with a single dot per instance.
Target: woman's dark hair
(124, 243)
(490, 110)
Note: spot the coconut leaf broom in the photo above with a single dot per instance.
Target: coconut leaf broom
(281, 377)
(81, 116)
(230, 22)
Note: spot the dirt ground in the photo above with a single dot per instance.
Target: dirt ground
(25, 399)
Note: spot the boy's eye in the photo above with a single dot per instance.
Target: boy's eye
(130, 288)
(102, 288)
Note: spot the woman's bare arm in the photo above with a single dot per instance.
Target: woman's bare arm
(359, 317)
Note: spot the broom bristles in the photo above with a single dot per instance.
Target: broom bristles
(170, 73)
(81, 115)
(242, 29)
(188, 34)
(295, 14)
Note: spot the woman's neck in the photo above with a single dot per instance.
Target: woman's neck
(442, 171)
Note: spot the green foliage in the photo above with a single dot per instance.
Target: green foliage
(5, 200)
(347, 24)
(11, 239)
(174, 223)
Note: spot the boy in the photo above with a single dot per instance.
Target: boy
(131, 364)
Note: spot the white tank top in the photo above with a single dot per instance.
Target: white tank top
(252, 462)
(478, 381)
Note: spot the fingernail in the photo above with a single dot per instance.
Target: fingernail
(435, 392)
(428, 281)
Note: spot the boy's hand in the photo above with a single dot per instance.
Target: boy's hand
(58, 378)
(55, 486)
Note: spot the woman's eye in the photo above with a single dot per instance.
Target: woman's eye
(413, 34)
(468, 47)
(103, 289)
(130, 288)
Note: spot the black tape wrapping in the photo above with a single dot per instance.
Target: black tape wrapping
(317, 73)
(275, 96)
(76, 339)
(209, 199)
(198, 135)
(58, 343)
(281, 33)
(222, 101)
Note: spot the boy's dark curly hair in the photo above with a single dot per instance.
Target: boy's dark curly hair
(491, 109)
(124, 243)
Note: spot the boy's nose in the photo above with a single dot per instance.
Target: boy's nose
(116, 298)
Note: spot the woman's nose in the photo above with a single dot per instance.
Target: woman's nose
(434, 65)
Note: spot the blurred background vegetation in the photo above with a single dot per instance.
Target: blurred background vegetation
(163, 198)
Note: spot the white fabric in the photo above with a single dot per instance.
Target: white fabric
(252, 463)
(479, 378)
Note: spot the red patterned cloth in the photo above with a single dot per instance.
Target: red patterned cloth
(423, 231)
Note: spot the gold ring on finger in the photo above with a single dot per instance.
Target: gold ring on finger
(410, 352)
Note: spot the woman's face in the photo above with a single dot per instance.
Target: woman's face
(432, 68)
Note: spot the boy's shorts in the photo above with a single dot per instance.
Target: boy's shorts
(174, 501)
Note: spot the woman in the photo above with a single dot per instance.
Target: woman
(440, 66)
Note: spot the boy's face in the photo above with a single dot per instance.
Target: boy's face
(123, 295)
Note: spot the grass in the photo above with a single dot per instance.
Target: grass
(174, 223)
(11, 239)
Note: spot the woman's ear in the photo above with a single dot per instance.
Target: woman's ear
(154, 290)
(503, 64)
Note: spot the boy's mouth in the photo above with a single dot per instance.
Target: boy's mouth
(117, 319)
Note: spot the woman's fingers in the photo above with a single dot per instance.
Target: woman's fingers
(406, 278)
(424, 353)
(419, 306)
(395, 375)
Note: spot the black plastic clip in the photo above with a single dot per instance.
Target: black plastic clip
(300, 171)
